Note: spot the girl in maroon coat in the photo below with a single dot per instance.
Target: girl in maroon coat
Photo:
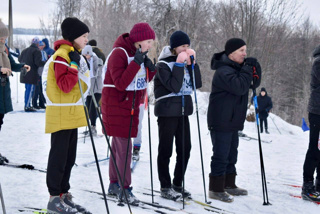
(126, 68)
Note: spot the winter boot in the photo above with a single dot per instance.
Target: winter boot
(267, 131)
(57, 206)
(67, 198)
(130, 196)
(318, 185)
(3, 160)
(136, 153)
(230, 185)
(216, 189)
(170, 193)
(186, 194)
(114, 189)
(94, 131)
(309, 193)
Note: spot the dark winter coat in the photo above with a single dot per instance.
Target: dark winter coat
(49, 51)
(314, 100)
(264, 105)
(31, 56)
(5, 92)
(167, 81)
(116, 101)
(99, 53)
(229, 96)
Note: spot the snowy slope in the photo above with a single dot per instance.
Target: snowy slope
(22, 140)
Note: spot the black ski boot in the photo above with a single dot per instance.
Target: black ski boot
(186, 193)
(170, 193)
(318, 185)
(267, 131)
(309, 193)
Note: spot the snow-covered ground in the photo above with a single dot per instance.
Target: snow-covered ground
(22, 140)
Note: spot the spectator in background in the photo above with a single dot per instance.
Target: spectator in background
(38, 94)
(49, 51)
(31, 56)
(264, 107)
(97, 50)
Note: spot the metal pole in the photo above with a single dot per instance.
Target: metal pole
(10, 39)
(2, 201)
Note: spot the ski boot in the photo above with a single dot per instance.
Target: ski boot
(114, 189)
(132, 199)
(67, 198)
(3, 160)
(170, 193)
(267, 131)
(136, 153)
(231, 187)
(186, 194)
(309, 193)
(57, 206)
(216, 189)
(318, 185)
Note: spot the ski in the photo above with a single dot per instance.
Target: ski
(133, 164)
(299, 196)
(93, 162)
(96, 136)
(144, 204)
(33, 210)
(23, 166)
(205, 205)
(248, 138)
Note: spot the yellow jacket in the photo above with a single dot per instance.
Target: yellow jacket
(63, 117)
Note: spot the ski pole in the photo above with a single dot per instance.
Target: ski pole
(2, 201)
(197, 112)
(183, 140)
(263, 175)
(93, 146)
(150, 150)
(275, 125)
(112, 154)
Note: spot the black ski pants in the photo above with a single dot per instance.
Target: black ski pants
(312, 161)
(62, 157)
(1, 120)
(225, 152)
(92, 109)
(264, 120)
(169, 128)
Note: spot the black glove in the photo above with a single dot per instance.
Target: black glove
(139, 57)
(149, 64)
(250, 61)
(75, 57)
(256, 75)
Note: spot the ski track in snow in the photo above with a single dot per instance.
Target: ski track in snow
(22, 141)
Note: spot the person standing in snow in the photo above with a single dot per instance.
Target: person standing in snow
(264, 107)
(311, 188)
(95, 65)
(65, 112)
(125, 82)
(226, 115)
(49, 51)
(173, 84)
(7, 65)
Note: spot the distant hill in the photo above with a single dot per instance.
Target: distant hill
(27, 31)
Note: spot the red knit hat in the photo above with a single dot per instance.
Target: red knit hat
(141, 31)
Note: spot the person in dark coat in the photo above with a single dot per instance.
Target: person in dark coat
(97, 50)
(173, 86)
(49, 51)
(311, 188)
(7, 65)
(264, 107)
(226, 115)
(31, 56)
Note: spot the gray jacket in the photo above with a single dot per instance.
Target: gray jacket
(96, 79)
(314, 101)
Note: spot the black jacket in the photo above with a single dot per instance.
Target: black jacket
(314, 100)
(264, 105)
(167, 81)
(31, 56)
(229, 95)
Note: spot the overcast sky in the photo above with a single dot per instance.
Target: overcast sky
(26, 13)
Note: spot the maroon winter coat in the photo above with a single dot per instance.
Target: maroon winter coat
(117, 102)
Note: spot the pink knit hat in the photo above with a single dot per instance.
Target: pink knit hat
(141, 31)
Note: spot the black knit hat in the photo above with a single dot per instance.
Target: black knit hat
(72, 28)
(179, 38)
(233, 45)
(263, 89)
(92, 42)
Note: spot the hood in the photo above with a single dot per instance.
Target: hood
(221, 59)
(263, 89)
(46, 42)
(165, 53)
(124, 42)
(58, 43)
(316, 51)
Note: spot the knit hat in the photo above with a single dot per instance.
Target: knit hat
(73, 28)
(35, 40)
(141, 31)
(233, 45)
(179, 38)
(263, 89)
(87, 50)
(41, 43)
(92, 42)
(4, 32)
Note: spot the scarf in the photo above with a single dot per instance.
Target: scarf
(4, 60)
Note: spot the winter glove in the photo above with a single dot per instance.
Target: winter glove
(256, 76)
(139, 57)
(149, 64)
(250, 61)
(182, 57)
(75, 57)
(190, 53)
